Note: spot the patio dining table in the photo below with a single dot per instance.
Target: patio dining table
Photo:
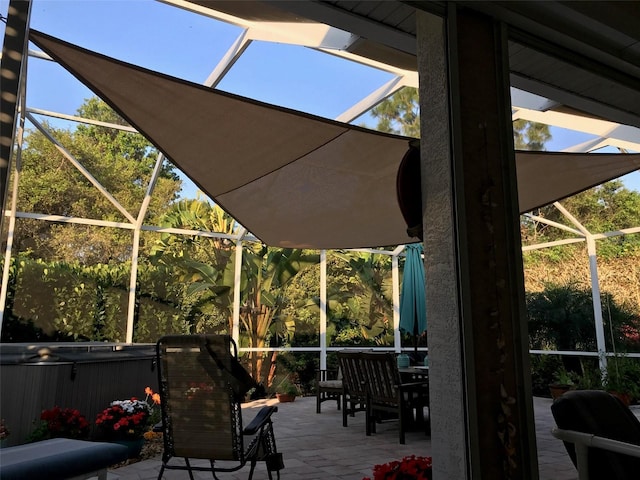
(414, 374)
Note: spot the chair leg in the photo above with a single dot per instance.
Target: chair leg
(427, 424)
(186, 461)
(318, 400)
(344, 410)
(213, 470)
(253, 467)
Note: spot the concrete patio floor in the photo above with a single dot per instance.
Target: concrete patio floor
(318, 447)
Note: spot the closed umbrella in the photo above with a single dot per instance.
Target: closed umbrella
(413, 308)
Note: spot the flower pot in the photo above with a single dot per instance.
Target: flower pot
(624, 397)
(558, 389)
(285, 397)
(133, 445)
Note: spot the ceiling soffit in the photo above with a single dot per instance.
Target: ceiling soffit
(582, 54)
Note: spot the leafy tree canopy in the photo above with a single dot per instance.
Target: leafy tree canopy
(561, 318)
(399, 113)
(607, 207)
(50, 184)
(530, 135)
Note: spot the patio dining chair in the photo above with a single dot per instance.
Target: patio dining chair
(600, 433)
(354, 383)
(388, 395)
(329, 387)
(202, 385)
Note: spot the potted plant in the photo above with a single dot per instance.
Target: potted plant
(623, 375)
(125, 422)
(563, 382)
(4, 433)
(60, 423)
(286, 391)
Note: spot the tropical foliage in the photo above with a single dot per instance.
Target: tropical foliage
(561, 318)
(208, 267)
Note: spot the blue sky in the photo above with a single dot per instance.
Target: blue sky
(167, 39)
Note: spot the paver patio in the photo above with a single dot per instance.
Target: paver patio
(319, 447)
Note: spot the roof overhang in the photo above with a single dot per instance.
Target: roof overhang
(581, 54)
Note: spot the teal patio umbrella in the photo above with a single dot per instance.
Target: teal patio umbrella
(413, 308)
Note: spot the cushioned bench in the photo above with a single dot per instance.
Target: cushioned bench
(59, 459)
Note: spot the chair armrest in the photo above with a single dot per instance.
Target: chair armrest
(594, 441)
(583, 441)
(413, 385)
(263, 416)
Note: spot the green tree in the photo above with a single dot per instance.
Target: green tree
(529, 135)
(607, 207)
(400, 113)
(122, 162)
(370, 299)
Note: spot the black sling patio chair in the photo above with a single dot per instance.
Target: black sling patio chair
(201, 386)
(600, 433)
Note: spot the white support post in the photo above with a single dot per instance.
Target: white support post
(323, 309)
(229, 59)
(132, 285)
(135, 250)
(385, 91)
(582, 459)
(395, 276)
(597, 304)
(235, 326)
(6, 270)
(595, 286)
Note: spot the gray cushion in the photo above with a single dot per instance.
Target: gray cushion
(58, 458)
(330, 384)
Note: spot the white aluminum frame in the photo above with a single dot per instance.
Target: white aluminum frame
(332, 41)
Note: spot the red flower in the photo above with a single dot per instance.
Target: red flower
(124, 419)
(64, 423)
(409, 468)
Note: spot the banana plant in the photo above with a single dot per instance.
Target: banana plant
(208, 266)
(372, 302)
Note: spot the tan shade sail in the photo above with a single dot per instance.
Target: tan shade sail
(293, 179)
